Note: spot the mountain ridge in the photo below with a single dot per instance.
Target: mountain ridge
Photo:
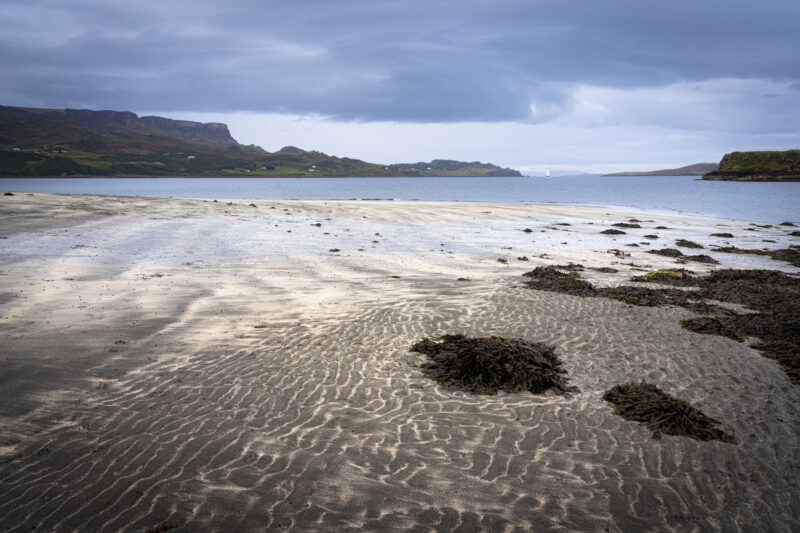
(56, 142)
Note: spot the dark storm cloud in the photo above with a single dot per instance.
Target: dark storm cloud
(412, 60)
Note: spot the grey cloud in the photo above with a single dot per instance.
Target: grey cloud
(415, 60)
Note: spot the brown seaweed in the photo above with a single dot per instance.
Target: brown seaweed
(626, 225)
(550, 278)
(790, 255)
(687, 243)
(663, 413)
(667, 252)
(701, 258)
(612, 232)
(710, 325)
(773, 294)
(489, 365)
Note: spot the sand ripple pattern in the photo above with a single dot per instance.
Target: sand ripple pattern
(331, 427)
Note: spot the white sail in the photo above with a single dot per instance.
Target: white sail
(547, 175)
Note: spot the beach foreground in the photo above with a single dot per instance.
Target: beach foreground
(238, 366)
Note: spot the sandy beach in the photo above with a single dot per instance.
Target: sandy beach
(197, 365)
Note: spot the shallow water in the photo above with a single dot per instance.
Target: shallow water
(765, 202)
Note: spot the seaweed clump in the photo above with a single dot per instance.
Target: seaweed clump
(550, 278)
(669, 276)
(701, 258)
(488, 365)
(667, 252)
(790, 255)
(663, 413)
(710, 325)
(773, 294)
(687, 243)
(626, 225)
(612, 232)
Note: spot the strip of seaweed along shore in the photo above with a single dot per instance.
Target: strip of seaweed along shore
(773, 296)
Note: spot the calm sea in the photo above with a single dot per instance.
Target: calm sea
(764, 202)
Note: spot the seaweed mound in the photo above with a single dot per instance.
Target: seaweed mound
(550, 278)
(701, 258)
(667, 252)
(791, 254)
(643, 296)
(724, 234)
(663, 413)
(776, 297)
(612, 232)
(626, 225)
(687, 244)
(710, 325)
(488, 365)
(668, 276)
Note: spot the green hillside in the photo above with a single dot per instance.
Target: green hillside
(69, 142)
(697, 169)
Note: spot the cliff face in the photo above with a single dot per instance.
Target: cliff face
(758, 166)
(212, 134)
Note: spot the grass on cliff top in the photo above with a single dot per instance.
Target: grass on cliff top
(785, 161)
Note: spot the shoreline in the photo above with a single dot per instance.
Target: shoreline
(194, 363)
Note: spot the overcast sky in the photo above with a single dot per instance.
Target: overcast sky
(581, 84)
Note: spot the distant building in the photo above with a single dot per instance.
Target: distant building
(191, 157)
(15, 149)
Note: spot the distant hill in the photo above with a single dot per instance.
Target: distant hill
(758, 166)
(66, 142)
(698, 169)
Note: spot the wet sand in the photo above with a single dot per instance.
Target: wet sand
(189, 363)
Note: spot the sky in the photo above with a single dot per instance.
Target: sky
(581, 85)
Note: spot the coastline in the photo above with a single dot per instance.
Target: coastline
(217, 365)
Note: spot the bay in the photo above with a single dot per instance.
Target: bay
(758, 202)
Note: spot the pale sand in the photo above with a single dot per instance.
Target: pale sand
(187, 363)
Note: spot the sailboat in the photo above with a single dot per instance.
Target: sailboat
(547, 172)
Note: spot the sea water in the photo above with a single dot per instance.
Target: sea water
(761, 202)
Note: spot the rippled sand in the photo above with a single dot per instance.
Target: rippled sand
(215, 367)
